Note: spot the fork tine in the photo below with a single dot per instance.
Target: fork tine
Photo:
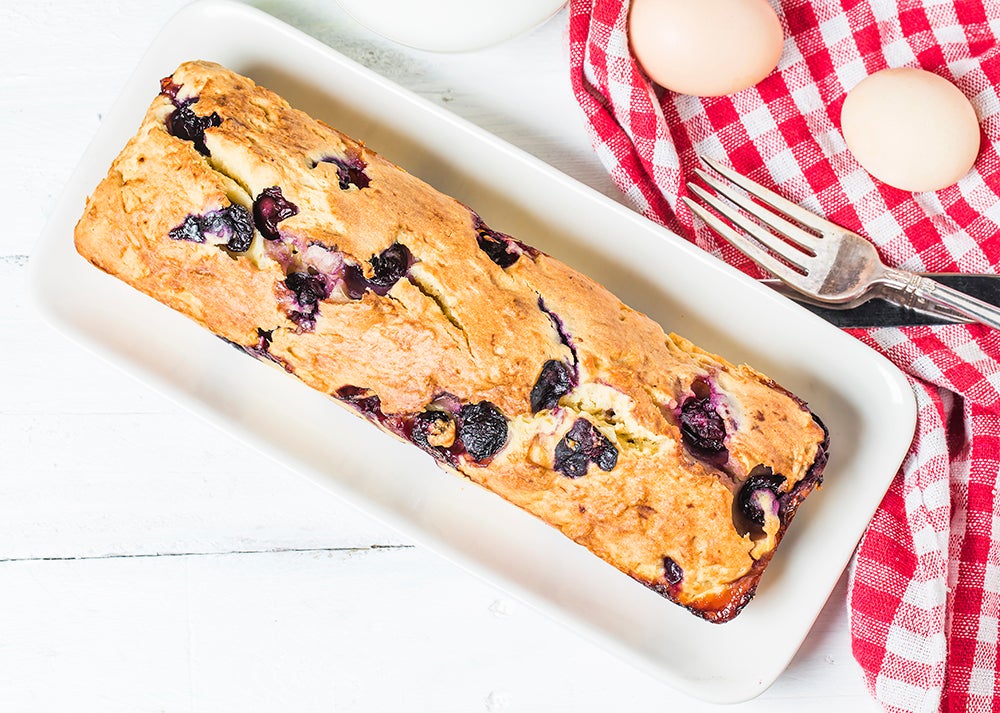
(793, 211)
(745, 245)
(766, 238)
(804, 239)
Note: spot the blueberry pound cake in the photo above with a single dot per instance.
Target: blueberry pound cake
(306, 249)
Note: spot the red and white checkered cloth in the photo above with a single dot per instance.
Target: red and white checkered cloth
(924, 599)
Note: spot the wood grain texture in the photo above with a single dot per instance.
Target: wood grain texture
(150, 563)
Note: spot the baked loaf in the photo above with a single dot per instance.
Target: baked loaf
(305, 248)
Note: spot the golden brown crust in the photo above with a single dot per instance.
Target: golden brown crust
(460, 341)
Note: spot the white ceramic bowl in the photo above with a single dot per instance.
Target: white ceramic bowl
(450, 25)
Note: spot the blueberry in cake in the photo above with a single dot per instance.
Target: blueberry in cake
(304, 248)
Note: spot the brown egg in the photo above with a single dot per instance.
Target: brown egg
(911, 129)
(705, 48)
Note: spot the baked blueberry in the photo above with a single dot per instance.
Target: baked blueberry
(231, 226)
(271, 208)
(555, 380)
(183, 123)
(569, 460)
(482, 430)
(351, 393)
(702, 428)
(310, 289)
(350, 171)
(596, 445)
(261, 350)
(497, 246)
(388, 267)
(500, 247)
(749, 499)
(241, 222)
(603, 454)
(215, 224)
(432, 429)
(672, 571)
(582, 445)
(496, 250)
(189, 230)
(815, 474)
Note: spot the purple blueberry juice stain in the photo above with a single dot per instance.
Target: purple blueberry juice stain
(169, 89)
(564, 337)
(432, 430)
(269, 209)
(284, 255)
(526, 249)
(582, 445)
(321, 258)
(556, 379)
(260, 350)
(364, 401)
(230, 227)
(482, 428)
(350, 171)
(814, 476)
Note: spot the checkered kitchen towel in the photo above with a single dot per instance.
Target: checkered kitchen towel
(924, 597)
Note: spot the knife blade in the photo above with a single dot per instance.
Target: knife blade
(877, 312)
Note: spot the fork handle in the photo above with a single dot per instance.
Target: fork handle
(917, 291)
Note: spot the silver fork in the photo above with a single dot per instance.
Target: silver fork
(819, 259)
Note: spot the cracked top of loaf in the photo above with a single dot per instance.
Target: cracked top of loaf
(307, 249)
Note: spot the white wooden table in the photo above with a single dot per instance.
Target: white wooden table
(150, 563)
